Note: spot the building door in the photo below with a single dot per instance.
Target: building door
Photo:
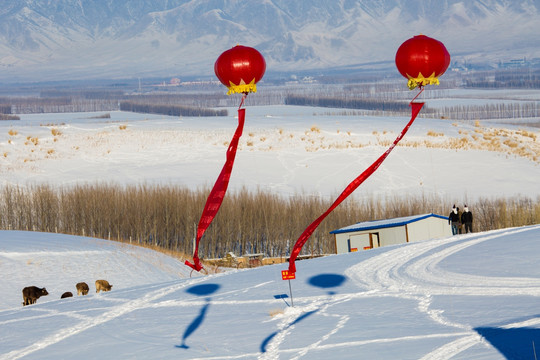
(375, 242)
(359, 242)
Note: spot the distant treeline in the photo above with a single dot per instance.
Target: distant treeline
(5, 113)
(170, 110)
(529, 109)
(525, 78)
(248, 222)
(83, 93)
(9, 117)
(5, 109)
(523, 83)
(373, 94)
(346, 102)
(88, 101)
(33, 105)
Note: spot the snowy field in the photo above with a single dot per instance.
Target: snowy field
(284, 149)
(471, 296)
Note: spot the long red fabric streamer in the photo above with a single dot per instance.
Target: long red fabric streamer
(415, 109)
(217, 194)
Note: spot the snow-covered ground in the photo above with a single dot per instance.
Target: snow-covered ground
(284, 149)
(471, 296)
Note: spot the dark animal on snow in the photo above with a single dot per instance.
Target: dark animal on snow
(82, 288)
(103, 285)
(66, 295)
(32, 293)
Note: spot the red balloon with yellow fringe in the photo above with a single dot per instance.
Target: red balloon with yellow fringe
(240, 68)
(422, 60)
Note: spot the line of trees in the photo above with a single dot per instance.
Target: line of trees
(83, 94)
(5, 109)
(517, 78)
(374, 107)
(376, 97)
(33, 105)
(519, 110)
(346, 102)
(5, 113)
(9, 117)
(248, 221)
(170, 110)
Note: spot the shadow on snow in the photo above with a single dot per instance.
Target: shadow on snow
(198, 290)
(322, 281)
(515, 343)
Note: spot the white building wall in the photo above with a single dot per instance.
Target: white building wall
(429, 228)
(392, 236)
(387, 236)
(341, 242)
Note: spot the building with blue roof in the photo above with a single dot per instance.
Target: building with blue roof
(372, 234)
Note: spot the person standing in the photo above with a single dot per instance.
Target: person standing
(453, 219)
(460, 224)
(467, 219)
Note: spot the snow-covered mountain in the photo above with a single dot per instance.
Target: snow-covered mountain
(68, 39)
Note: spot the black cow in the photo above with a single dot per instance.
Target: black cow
(32, 293)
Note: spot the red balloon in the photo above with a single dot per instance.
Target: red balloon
(422, 60)
(240, 68)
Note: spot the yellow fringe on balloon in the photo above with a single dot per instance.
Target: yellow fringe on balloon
(242, 88)
(422, 81)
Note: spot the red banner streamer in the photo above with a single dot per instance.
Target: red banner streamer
(415, 108)
(217, 194)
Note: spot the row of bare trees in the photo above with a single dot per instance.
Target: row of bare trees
(344, 102)
(170, 110)
(378, 107)
(374, 94)
(517, 110)
(248, 221)
(33, 105)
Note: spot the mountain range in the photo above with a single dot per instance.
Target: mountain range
(91, 39)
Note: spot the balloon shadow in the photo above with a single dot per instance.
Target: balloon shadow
(327, 281)
(203, 290)
(199, 290)
(514, 343)
(300, 318)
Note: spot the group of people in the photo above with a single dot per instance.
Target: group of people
(461, 222)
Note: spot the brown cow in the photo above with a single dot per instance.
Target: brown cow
(32, 293)
(66, 295)
(103, 285)
(82, 288)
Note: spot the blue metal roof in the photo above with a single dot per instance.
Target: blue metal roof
(387, 223)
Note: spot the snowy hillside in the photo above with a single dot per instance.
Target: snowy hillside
(470, 296)
(43, 258)
(63, 39)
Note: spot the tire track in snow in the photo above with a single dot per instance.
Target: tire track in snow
(413, 272)
(453, 348)
(292, 316)
(339, 345)
(409, 269)
(442, 282)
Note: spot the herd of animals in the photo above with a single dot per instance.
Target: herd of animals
(32, 293)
